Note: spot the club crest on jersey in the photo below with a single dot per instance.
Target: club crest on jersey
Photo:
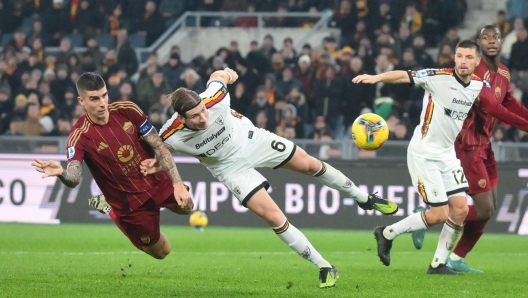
(435, 192)
(347, 184)
(145, 239)
(220, 120)
(497, 92)
(71, 152)
(482, 183)
(128, 127)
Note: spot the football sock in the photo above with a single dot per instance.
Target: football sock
(472, 232)
(411, 223)
(446, 241)
(300, 244)
(333, 178)
(453, 256)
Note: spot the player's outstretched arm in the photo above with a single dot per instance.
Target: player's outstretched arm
(166, 162)
(71, 177)
(391, 77)
(226, 76)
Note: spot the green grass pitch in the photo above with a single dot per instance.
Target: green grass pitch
(76, 260)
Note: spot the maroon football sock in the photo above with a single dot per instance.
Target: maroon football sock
(472, 232)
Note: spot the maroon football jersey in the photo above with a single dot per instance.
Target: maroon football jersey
(495, 102)
(113, 153)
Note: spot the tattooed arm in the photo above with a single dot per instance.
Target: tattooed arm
(165, 160)
(71, 177)
(163, 155)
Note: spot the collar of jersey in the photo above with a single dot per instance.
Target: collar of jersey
(459, 80)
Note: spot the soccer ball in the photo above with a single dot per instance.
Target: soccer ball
(370, 131)
(198, 220)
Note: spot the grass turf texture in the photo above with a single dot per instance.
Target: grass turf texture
(75, 260)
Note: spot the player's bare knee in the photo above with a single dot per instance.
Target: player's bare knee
(458, 213)
(437, 215)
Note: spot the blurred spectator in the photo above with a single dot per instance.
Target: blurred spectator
(172, 10)
(57, 21)
(261, 120)
(345, 17)
(289, 133)
(283, 20)
(240, 98)
(149, 91)
(172, 70)
(290, 118)
(163, 107)
(126, 93)
(20, 108)
(357, 35)
(277, 65)
(328, 91)
(69, 102)
(261, 104)
(233, 54)
(88, 64)
(297, 99)
(382, 66)
(18, 41)
(326, 151)
(6, 106)
(384, 104)
(15, 127)
(126, 56)
(88, 21)
(63, 127)
(116, 20)
(48, 108)
(383, 16)
(246, 76)
(256, 60)
(517, 8)
(306, 75)
(31, 126)
(402, 41)
(267, 48)
(272, 93)
(288, 55)
(192, 81)
(502, 23)
(288, 81)
(446, 57)
(47, 127)
(412, 18)
(510, 39)
(356, 96)
(38, 32)
(151, 23)
(247, 22)
(519, 53)
(451, 38)
(320, 128)
(400, 133)
(421, 56)
(65, 50)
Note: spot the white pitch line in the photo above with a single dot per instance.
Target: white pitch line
(222, 253)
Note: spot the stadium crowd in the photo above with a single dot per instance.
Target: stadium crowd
(305, 94)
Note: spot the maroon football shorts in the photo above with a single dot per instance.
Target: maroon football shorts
(142, 226)
(479, 167)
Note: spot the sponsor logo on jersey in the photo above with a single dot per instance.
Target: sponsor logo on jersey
(220, 120)
(431, 72)
(71, 152)
(187, 139)
(209, 139)
(455, 115)
(102, 146)
(462, 102)
(347, 184)
(125, 153)
(128, 127)
(453, 88)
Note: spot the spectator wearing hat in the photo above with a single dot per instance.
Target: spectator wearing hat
(47, 127)
(344, 60)
(305, 73)
(173, 69)
(20, 108)
(256, 60)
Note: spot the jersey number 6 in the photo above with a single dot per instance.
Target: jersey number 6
(279, 146)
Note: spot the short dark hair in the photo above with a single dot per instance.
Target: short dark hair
(468, 44)
(89, 81)
(488, 27)
(183, 100)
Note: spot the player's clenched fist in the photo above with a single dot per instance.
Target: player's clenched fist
(366, 79)
(149, 166)
(233, 76)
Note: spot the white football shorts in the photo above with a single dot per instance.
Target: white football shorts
(262, 149)
(437, 180)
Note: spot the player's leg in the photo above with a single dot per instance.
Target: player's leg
(264, 206)
(481, 173)
(449, 235)
(302, 162)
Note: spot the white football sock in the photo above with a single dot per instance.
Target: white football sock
(446, 241)
(300, 244)
(333, 178)
(455, 257)
(411, 223)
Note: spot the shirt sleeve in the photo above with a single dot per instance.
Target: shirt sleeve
(75, 147)
(423, 78)
(513, 105)
(491, 106)
(215, 93)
